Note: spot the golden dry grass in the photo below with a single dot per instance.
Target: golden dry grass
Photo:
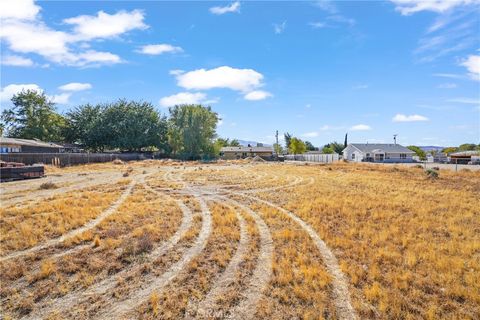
(409, 246)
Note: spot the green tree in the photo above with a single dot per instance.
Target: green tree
(288, 138)
(85, 125)
(277, 147)
(327, 150)
(449, 150)
(192, 127)
(297, 146)
(419, 152)
(310, 146)
(335, 146)
(234, 143)
(33, 116)
(468, 147)
(345, 143)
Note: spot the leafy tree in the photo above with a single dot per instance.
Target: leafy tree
(234, 143)
(85, 125)
(192, 127)
(449, 150)
(327, 150)
(288, 138)
(277, 147)
(33, 116)
(297, 146)
(345, 144)
(419, 152)
(310, 146)
(336, 147)
(468, 147)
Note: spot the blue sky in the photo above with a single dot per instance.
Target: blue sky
(316, 69)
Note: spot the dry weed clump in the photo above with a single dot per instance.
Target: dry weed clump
(47, 186)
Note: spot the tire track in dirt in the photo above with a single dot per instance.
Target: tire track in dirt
(341, 293)
(71, 299)
(261, 275)
(221, 284)
(119, 309)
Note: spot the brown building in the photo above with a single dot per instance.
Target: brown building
(232, 153)
(14, 145)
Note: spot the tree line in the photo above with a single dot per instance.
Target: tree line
(188, 132)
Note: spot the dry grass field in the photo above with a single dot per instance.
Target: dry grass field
(240, 240)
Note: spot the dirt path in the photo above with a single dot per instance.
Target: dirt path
(21, 197)
(103, 287)
(221, 284)
(119, 309)
(89, 225)
(340, 286)
(261, 275)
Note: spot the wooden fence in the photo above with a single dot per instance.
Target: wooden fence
(69, 159)
(322, 158)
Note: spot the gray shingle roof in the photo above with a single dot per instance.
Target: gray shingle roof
(28, 142)
(246, 149)
(383, 147)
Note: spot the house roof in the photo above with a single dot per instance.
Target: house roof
(246, 149)
(28, 142)
(381, 147)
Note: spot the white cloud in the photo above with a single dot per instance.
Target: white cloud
(447, 85)
(312, 134)
(408, 118)
(61, 98)
(326, 5)
(183, 98)
(156, 49)
(407, 7)
(16, 61)
(279, 28)
(448, 75)
(257, 95)
(234, 7)
(244, 80)
(472, 63)
(105, 25)
(19, 10)
(330, 128)
(465, 100)
(176, 72)
(360, 127)
(318, 25)
(7, 92)
(75, 86)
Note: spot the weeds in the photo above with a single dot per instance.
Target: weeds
(47, 186)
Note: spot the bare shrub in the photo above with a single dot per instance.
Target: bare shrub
(117, 161)
(48, 185)
(145, 243)
(431, 173)
(126, 174)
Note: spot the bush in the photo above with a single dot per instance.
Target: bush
(419, 166)
(145, 243)
(117, 161)
(48, 185)
(436, 168)
(126, 174)
(431, 173)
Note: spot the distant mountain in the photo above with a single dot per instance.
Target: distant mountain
(245, 143)
(431, 148)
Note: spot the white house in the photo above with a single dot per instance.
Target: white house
(377, 152)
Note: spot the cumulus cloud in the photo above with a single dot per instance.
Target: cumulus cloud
(21, 10)
(234, 7)
(17, 61)
(156, 49)
(408, 7)
(23, 31)
(105, 25)
(472, 63)
(7, 92)
(244, 80)
(62, 98)
(183, 98)
(360, 127)
(257, 95)
(408, 118)
(75, 86)
(318, 25)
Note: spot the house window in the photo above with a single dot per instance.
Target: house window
(403, 156)
(353, 156)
